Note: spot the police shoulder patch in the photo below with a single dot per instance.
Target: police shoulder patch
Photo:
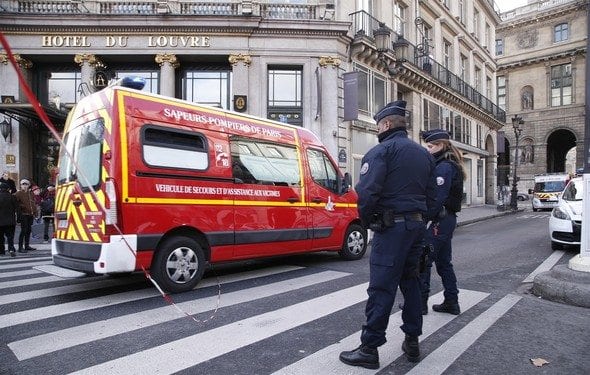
(440, 180)
(365, 168)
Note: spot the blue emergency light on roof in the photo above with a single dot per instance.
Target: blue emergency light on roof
(133, 82)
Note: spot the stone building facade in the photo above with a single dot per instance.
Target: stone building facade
(541, 53)
(292, 61)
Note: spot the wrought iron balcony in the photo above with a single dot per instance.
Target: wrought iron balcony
(364, 25)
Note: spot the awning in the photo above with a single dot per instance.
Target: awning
(26, 111)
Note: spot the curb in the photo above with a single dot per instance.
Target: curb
(482, 218)
(564, 285)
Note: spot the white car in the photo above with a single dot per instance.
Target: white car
(565, 223)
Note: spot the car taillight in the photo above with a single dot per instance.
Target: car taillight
(111, 202)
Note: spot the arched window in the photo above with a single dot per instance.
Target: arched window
(527, 97)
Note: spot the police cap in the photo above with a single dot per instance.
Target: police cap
(397, 107)
(435, 135)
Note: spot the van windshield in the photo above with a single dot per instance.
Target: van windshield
(549, 186)
(84, 147)
(574, 191)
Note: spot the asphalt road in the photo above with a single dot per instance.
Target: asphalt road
(293, 315)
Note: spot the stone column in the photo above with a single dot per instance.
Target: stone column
(11, 86)
(168, 62)
(88, 63)
(240, 77)
(327, 113)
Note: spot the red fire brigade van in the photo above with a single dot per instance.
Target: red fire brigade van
(179, 186)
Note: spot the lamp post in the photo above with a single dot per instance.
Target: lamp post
(517, 123)
(6, 129)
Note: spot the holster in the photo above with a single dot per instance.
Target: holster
(426, 254)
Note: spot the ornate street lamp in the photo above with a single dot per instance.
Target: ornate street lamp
(517, 123)
(6, 129)
(383, 42)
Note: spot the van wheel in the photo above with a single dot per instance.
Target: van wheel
(179, 264)
(535, 209)
(355, 243)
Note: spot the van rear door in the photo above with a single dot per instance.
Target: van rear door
(79, 216)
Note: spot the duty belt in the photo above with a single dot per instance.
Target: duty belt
(415, 216)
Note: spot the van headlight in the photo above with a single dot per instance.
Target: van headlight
(560, 214)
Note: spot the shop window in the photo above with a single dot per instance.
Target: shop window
(64, 89)
(372, 94)
(285, 92)
(208, 87)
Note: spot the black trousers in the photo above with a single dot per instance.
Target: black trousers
(8, 231)
(26, 222)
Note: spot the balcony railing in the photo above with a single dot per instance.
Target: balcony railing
(363, 24)
(444, 76)
(262, 8)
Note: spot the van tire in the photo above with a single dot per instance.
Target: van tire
(355, 241)
(179, 264)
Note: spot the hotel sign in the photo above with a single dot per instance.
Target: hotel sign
(149, 41)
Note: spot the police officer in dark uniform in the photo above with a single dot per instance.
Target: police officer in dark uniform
(449, 193)
(395, 187)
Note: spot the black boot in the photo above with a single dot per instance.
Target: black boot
(411, 348)
(448, 307)
(363, 356)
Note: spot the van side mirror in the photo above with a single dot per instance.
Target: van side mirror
(346, 182)
(530, 191)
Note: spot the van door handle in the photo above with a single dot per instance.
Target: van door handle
(317, 200)
(293, 200)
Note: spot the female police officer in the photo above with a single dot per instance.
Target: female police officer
(395, 183)
(449, 180)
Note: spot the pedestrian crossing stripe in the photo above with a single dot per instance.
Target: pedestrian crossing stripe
(326, 361)
(5, 275)
(441, 358)
(534, 216)
(81, 334)
(195, 349)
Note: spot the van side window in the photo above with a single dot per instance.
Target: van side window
(265, 163)
(171, 148)
(323, 171)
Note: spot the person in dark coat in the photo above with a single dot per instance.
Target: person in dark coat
(8, 208)
(9, 181)
(47, 204)
(395, 188)
(449, 174)
(26, 214)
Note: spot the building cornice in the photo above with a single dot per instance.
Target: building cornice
(540, 18)
(540, 59)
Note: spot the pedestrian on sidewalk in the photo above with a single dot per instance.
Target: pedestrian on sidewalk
(450, 174)
(8, 208)
(47, 205)
(395, 186)
(9, 181)
(25, 215)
